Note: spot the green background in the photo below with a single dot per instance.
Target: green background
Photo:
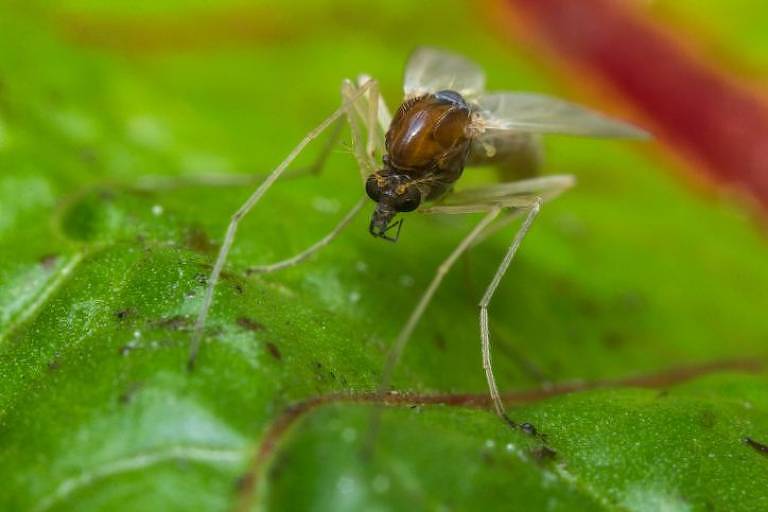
(102, 270)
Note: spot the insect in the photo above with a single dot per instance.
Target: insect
(446, 122)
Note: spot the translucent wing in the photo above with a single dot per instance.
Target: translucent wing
(536, 113)
(430, 70)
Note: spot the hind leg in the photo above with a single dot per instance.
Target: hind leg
(520, 198)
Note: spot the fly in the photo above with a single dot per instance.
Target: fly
(446, 122)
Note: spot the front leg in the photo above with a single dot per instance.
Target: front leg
(372, 112)
(376, 112)
(312, 249)
(379, 117)
(229, 237)
(356, 105)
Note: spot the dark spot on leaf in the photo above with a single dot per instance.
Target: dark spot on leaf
(197, 240)
(88, 155)
(613, 339)
(250, 324)
(176, 323)
(562, 286)
(281, 466)
(708, 418)
(48, 261)
(201, 278)
(243, 481)
(274, 351)
(588, 307)
(127, 395)
(54, 364)
(662, 394)
(322, 374)
(228, 276)
(760, 448)
(106, 195)
(439, 341)
(488, 458)
(124, 313)
(543, 454)
(239, 289)
(83, 220)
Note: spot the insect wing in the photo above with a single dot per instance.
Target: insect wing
(536, 113)
(430, 70)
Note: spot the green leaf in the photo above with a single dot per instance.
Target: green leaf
(104, 265)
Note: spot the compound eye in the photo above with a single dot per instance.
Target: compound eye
(372, 188)
(409, 200)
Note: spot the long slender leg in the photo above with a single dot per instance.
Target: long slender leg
(383, 113)
(372, 120)
(318, 165)
(397, 348)
(486, 300)
(514, 197)
(375, 137)
(327, 239)
(545, 187)
(373, 112)
(243, 210)
(516, 193)
(365, 163)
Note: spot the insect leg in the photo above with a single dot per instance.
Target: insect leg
(373, 116)
(318, 165)
(397, 348)
(365, 162)
(306, 253)
(371, 110)
(533, 211)
(546, 187)
(507, 193)
(374, 113)
(518, 198)
(243, 210)
(383, 112)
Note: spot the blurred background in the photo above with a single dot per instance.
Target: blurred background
(130, 132)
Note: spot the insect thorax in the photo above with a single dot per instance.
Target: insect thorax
(428, 138)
